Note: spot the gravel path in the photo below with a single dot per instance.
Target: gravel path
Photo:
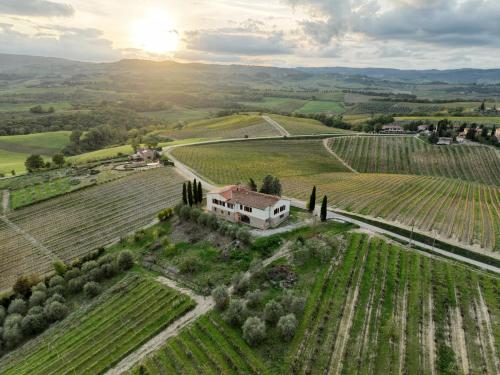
(277, 126)
(329, 150)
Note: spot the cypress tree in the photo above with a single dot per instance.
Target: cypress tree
(195, 192)
(200, 193)
(312, 200)
(184, 194)
(267, 185)
(323, 209)
(190, 193)
(252, 185)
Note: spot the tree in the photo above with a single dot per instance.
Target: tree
(60, 267)
(184, 194)
(195, 191)
(273, 311)
(267, 185)
(324, 204)
(471, 134)
(254, 330)
(22, 286)
(55, 311)
(125, 260)
(33, 324)
(312, 200)
(34, 163)
(482, 107)
(37, 298)
(200, 192)
(18, 306)
(75, 136)
(58, 160)
(236, 312)
(221, 297)
(135, 143)
(252, 185)
(190, 194)
(287, 325)
(433, 138)
(276, 187)
(91, 289)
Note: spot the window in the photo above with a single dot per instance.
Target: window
(214, 201)
(228, 213)
(230, 205)
(248, 209)
(215, 209)
(282, 216)
(276, 210)
(282, 208)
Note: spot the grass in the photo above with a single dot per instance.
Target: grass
(277, 104)
(25, 107)
(238, 161)
(72, 225)
(490, 120)
(124, 318)
(408, 155)
(320, 106)
(301, 126)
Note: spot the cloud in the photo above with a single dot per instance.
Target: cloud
(71, 43)
(43, 8)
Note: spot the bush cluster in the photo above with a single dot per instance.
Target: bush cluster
(165, 214)
(36, 304)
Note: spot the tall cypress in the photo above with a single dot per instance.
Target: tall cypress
(184, 194)
(200, 192)
(190, 193)
(323, 209)
(312, 200)
(195, 192)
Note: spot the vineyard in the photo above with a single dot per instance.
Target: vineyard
(408, 155)
(459, 210)
(72, 225)
(380, 309)
(238, 161)
(300, 126)
(236, 126)
(93, 340)
(207, 346)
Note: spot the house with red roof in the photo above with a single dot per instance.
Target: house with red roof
(238, 204)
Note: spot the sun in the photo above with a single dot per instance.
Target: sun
(155, 33)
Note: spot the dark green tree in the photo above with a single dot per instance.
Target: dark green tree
(200, 192)
(195, 192)
(267, 185)
(433, 138)
(190, 193)
(276, 187)
(184, 194)
(58, 160)
(312, 200)
(482, 107)
(252, 185)
(34, 163)
(324, 208)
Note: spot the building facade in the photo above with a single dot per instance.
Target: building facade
(238, 204)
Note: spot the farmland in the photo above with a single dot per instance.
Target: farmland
(456, 210)
(70, 226)
(208, 346)
(408, 155)
(238, 161)
(300, 126)
(378, 308)
(290, 105)
(235, 126)
(93, 339)
(488, 120)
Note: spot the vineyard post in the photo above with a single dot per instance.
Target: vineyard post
(411, 234)
(434, 240)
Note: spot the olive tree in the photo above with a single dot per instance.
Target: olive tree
(221, 297)
(236, 312)
(91, 289)
(33, 324)
(18, 306)
(12, 334)
(287, 325)
(254, 330)
(37, 298)
(125, 260)
(55, 311)
(273, 311)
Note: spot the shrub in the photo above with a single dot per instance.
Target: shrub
(96, 274)
(18, 306)
(203, 219)
(76, 285)
(33, 324)
(12, 334)
(105, 259)
(194, 214)
(213, 222)
(55, 311)
(2, 315)
(40, 287)
(273, 311)
(185, 213)
(56, 297)
(22, 286)
(165, 214)
(254, 330)
(287, 325)
(60, 268)
(240, 283)
(91, 289)
(35, 310)
(72, 273)
(37, 298)
(293, 304)
(56, 280)
(243, 235)
(58, 289)
(236, 312)
(189, 265)
(125, 260)
(221, 297)
(88, 266)
(266, 245)
(253, 298)
(109, 270)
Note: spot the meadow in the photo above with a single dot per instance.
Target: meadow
(409, 155)
(289, 105)
(95, 338)
(464, 212)
(302, 126)
(487, 120)
(233, 162)
(69, 226)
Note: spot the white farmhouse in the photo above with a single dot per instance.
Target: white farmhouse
(238, 204)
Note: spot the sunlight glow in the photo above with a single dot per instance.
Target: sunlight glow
(155, 33)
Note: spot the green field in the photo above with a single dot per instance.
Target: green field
(301, 126)
(409, 155)
(289, 105)
(492, 120)
(229, 163)
(89, 342)
(25, 107)
(208, 346)
(318, 106)
(75, 224)
(380, 309)
(14, 149)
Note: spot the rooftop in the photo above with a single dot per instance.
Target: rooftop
(238, 194)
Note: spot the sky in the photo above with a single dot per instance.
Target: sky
(405, 34)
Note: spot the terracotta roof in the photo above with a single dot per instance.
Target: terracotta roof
(238, 194)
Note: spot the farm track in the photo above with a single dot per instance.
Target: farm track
(277, 126)
(328, 148)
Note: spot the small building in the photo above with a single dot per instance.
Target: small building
(239, 204)
(444, 141)
(144, 155)
(422, 128)
(497, 133)
(392, 129)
